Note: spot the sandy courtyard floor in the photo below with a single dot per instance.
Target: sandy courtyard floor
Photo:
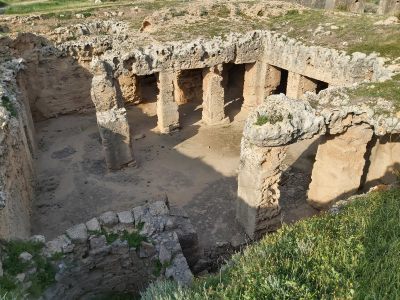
(195, 167)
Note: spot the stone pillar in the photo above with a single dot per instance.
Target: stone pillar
(356, 6)
(254, 86)
(298, 84)
(384, 161)
(255, 89)
(257, 207)
(130, 87)
(213, 96)
(179, 93)
(167, 108)
(111, 118)
(390, 7)
(339, 166)
(272, 79)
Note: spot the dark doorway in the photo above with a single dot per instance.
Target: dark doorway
(321, 85)
(233, 82)
(282, 87)
(148, 89)
(189, 95)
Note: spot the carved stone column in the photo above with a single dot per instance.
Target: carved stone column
(167, 108)
(269, 129)
(339, 165)
(254, 85)
(213, 96)
(298, 84)
(111, 118)
(258, 188)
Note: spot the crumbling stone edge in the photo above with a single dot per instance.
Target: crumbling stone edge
(118, 252)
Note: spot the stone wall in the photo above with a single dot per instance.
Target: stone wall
(17, 147)
(57, 84)
(116, 253)
(188, 86)
(328, 65)
(59, 76)
(358, 149)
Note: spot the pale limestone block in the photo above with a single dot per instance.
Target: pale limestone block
(339, 166)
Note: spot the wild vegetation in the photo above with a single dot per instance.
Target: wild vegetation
(341, 31)
(353, 254)
(272, 119)
(388, 90)
(40, 271)
(335, 29)
(7, 104)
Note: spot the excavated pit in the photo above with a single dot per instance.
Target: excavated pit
(179, 120)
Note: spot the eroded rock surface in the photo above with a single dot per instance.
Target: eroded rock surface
(121, 256)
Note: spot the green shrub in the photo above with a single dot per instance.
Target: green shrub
(110, 236)
(6, 102)
(272, 119)
(134, 238)
(166, 289)
(354, 254)
(261, 120)
(13, 265)
(389, 90)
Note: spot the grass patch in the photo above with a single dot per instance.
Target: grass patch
(57, 6)
(134, 238)
(221, 11)
(111, 237)
(21, 8)
(351, 255)
(7, 104)
(359, 32)
(389, 90)
(13, 265)
(159, 267)
(116, 296)
(261, 120)
(272, 119)
(178, 13)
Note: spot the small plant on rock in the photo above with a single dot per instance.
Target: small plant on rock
(134, 238)
(272, 119)
(7, 104)
(261, 120)
(37, 269)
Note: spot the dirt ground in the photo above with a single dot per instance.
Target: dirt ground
(195, 167)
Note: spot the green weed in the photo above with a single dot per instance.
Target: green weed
(6, 102)
(350, 255)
